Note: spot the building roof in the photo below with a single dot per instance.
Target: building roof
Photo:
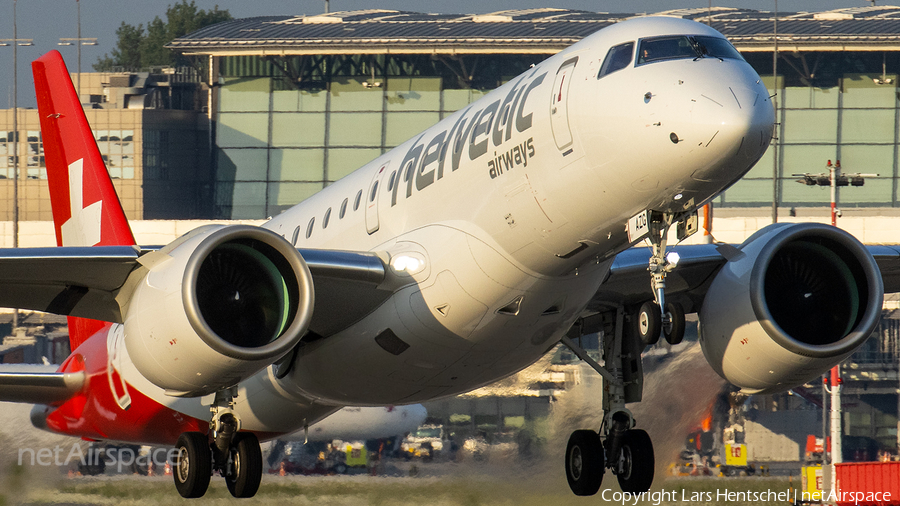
(537, 31)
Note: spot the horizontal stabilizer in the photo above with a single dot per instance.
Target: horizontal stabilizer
(18, 385)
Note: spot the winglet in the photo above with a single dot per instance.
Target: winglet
(86, 209)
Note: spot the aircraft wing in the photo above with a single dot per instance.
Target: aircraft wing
(76, 281)
(628, 281)
(67, 281)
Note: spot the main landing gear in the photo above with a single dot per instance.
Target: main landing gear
(626, 451)
(235, 455)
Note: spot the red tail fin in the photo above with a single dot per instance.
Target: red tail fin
(86, 209)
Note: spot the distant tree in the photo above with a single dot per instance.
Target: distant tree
(126, 53)
(136, 49)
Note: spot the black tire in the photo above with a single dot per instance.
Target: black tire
(648, 323)
(245, 471)
(193, 465)
(636, 462)
(584, 462)
(676, 329)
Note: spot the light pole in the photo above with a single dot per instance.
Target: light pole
(834, 178)
(777, 122)
(78, 42)
(15, 42)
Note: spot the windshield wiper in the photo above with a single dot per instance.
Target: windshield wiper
(701, 50)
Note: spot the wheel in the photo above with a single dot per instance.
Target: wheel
(649, 323)
(245, 470)
(636, 462)
(584, 462)
(193, 464)
(674, 332)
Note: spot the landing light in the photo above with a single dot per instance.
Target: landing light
(673, 258)
(407, 264)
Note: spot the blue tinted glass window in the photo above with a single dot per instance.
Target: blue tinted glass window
(617, 58)
(666, 48)
(717, 47)
(683, 46)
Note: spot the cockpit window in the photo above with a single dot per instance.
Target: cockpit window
(717, 47)
(683, 46)
(666, 48)
(617, 58)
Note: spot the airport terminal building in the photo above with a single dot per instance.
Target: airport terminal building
(299, 101)
(278, 107)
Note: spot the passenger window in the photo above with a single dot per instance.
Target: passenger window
(326, 218)
(617, 58)
(309, 228)
(391, 180)
(296, 236)
(343, 209)
(374, 192)
(356, 202)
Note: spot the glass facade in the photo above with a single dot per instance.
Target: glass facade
(831, 106)
(278, 142)
(158, 161)
(275, 147)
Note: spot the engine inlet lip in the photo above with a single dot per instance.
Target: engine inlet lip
(295, 331)
(875, 291)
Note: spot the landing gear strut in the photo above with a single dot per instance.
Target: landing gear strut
(656, 316)
(235, 455)
(626, 451)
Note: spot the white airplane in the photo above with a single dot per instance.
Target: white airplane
(450, 262)
(363, 423)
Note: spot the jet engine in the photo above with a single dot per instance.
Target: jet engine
(216, 306)
(795, 300)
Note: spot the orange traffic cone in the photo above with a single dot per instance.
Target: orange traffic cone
(281, 471)
(168, 469)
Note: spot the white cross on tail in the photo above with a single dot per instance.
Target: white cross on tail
(83, 227)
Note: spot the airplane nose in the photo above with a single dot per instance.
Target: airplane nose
(736, 119)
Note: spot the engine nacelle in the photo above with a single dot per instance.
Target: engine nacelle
(217, 305)
(797, 300)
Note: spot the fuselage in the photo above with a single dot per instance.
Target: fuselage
(507, 215)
